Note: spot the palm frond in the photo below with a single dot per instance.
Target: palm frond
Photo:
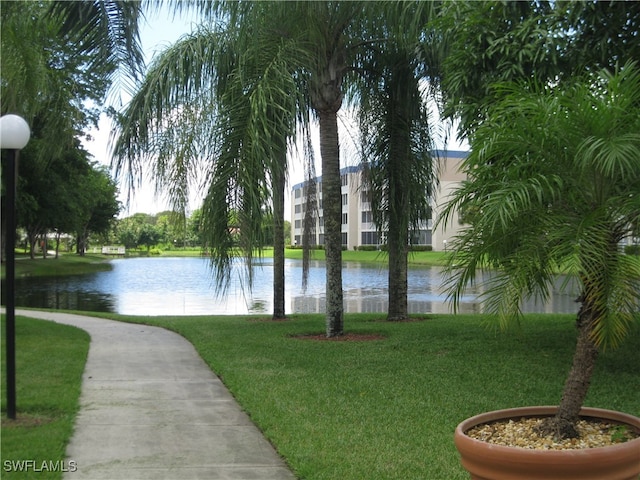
(559, 196)
(397, 144)
(173, 110)
(107, 31)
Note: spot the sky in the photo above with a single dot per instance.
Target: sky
(159, 31)
(156, 33)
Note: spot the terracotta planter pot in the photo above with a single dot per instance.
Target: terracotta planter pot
(495, 462)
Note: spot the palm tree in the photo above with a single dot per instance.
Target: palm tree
(25, 61)
(330, 34)
(398, 145)
(259, 112)
(327, 36)
(219, 104)
(308, 49)
(554, 179)
(60, 55)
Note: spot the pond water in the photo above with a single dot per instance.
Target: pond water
(185, 286)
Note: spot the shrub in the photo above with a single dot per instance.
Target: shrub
(421, 248)
(632, 249)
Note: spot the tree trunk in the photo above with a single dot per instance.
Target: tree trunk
(399, 178)
(398, 286)
(33, 241)
(332, 213)
(82, 243)
(563, 425)
(278, 239)
(57, 245)
(398, 234)
(326, 99)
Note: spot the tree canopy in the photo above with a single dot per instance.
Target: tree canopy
(53, 76)
(491, 41)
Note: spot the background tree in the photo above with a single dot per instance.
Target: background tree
(194, 228)
(562, 196)
(149, 235)
(126, 232)
(491, 41)
(98, 208)
(482, 43)
(174, 228)
(49, 192)
(54, 69)
(142, 229)
(599, 35)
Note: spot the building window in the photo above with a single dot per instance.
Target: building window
(321, 239)
(344, 219)
(297, 225)
(367, 217)
(369, 238)
(344, 238)
(422, 237)
(344, 180)
(298, 208)
(298, 192)
(345, 199)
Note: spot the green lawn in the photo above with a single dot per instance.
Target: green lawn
(386, 409)
(50, 359)
(383, 409)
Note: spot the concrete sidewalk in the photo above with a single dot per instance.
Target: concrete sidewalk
(150, 408)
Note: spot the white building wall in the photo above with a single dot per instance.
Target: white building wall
(353, 206)
(450, 178)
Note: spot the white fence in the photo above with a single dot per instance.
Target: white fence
(111, 250)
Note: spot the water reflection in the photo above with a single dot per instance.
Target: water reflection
(185, 286)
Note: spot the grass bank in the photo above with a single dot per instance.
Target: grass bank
(65, 264)
(415, 258)
(50, 359)
(387, 408)
(72, 264)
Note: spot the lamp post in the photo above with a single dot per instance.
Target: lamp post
(14, 136)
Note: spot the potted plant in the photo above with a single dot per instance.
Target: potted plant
(553, 182)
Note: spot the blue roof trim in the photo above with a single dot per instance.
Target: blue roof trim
(451, 153)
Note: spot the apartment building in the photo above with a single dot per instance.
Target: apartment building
(358, 228)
